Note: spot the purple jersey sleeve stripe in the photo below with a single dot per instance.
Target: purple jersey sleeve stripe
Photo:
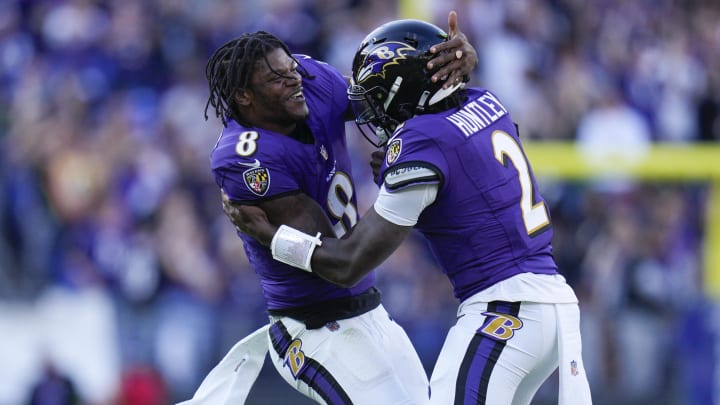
(409, 173)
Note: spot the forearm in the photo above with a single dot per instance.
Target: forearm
(297, 211)
(300, 212)
(341, 261)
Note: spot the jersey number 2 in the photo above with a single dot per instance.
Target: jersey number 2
(534, 216)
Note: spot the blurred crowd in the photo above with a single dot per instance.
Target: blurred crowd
(121, 281)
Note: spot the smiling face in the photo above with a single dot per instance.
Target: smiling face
(275, 100)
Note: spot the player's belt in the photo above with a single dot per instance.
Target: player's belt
(317, 315)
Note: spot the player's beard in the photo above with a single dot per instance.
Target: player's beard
(298, 109)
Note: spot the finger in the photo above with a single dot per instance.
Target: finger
(451, 81)
(454, 78)
(225, 201)
(441, 60)
(448, 71)
(448, 45)
(452, 24)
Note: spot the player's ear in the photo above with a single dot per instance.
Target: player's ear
(243, 97)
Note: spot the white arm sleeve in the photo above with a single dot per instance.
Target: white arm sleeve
(403, 207)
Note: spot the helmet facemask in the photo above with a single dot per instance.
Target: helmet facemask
(370, 108)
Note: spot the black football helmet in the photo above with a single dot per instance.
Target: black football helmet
(390, 81)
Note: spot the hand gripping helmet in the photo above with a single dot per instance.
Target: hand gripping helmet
(390, 82)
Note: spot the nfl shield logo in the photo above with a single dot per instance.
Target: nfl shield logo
(393, 151)
(257, 180)
(573, 368)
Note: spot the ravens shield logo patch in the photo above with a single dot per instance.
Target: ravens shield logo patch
(393, 151)
(257, 180)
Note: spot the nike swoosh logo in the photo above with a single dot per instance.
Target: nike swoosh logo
(253, 165)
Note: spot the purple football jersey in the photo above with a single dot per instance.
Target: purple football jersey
(488, 222)
(253, 164)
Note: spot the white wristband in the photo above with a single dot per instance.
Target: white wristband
(294, 247)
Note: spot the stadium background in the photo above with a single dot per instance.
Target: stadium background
(122, 282)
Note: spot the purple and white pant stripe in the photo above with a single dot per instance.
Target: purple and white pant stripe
(480, 358)
(317, 377)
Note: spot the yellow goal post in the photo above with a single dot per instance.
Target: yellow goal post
(674, 162)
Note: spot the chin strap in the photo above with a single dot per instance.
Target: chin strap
(294, 247)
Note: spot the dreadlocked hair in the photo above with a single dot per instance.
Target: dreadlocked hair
(230, 69)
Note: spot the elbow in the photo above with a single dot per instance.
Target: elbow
(345, 268)
(348, 281)
(345, 275)
(353, 275)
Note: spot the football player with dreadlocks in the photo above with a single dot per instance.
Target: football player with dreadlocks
(454, 168)
(283, 149)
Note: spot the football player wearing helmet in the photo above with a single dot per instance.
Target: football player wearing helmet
(454, 168)
(283, 149)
